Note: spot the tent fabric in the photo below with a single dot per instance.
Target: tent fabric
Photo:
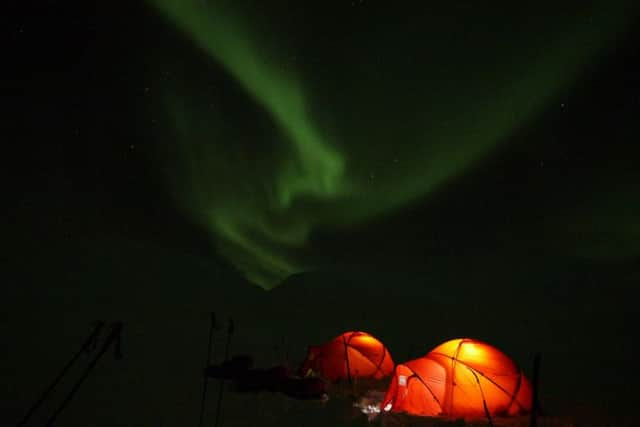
(349, 356)
(459, 378)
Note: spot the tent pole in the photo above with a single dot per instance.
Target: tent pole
(486, 409)
(535, 379)
(90, 341)
(484, 401)
(205, 379)
(346, 358)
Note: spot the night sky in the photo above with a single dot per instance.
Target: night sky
(420, 172)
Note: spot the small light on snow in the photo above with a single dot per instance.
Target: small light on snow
(370, 409)
(369, 404)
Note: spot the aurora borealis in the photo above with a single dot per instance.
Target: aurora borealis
(378, 112)
(417, 170)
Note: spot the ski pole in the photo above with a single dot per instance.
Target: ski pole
(226, 357)
(90, 341)
(205, 380)
(116, 330)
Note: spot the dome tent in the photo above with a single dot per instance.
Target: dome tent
(460, 378)
(349, 356)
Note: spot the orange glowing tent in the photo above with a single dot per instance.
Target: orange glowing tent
(461, 378)
(348, 356)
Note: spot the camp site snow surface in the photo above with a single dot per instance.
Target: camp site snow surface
(158, 382)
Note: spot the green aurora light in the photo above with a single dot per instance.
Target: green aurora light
(389, 116)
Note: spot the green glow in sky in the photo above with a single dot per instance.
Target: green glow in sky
(361, 128)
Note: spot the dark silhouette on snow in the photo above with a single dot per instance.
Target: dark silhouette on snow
(277, 379)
